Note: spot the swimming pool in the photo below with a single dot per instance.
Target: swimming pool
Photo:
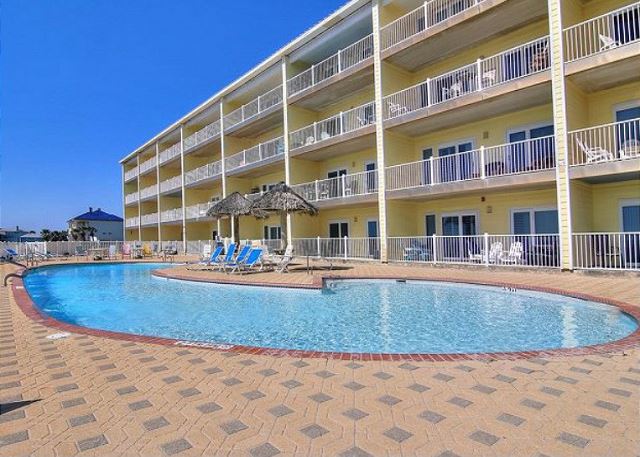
(347, 316)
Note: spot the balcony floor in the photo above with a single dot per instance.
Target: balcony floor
(619, 170)
(607, 69)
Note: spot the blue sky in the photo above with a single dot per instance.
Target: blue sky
(84, 82)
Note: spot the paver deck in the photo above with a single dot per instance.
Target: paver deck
(92, 395)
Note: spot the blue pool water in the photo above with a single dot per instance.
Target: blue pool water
(349, 316)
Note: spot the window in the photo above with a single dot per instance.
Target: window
(459, 166)
(338, 229)
(267, 187)
(534, 221)
(337, 173)
(272, 232)
(430, 224)
(537, 154)
(628, 131)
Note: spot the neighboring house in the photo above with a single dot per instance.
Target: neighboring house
(15, 235)
(30, 237)
(108, 227)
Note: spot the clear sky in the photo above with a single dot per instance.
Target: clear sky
(84, 82)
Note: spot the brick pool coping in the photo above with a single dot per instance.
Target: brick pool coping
(28, 307)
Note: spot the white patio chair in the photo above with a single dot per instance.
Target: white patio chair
(594, 154)
(309, 140)
(489, 78)
(396, 109)
(514, 256)
(494, 253)
(607, 42)
(206, 252)
(630, 149)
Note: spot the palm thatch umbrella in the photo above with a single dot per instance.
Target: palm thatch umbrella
(283, 200)
(234, 206)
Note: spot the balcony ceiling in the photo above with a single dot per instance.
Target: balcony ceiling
(606, 70)
(264, 82)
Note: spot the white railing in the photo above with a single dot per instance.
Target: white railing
(608, 31)
(120, 249)
(132, 222)
(257, 153)
(171, 184)
(254, 107)
(207, 171)
(342, 60)
(422, 18)
(607, 251)
(344, 186)
(170, 153)
(148, 164)
(525, 156)
(344, 122)
(204, 134)
(149, 219)
(509, 65)
(490, 250)
(149, 191)
(171, 215)
(129, 175)
(198, 210)
(337, 248)
(605, 143)
(131, 198)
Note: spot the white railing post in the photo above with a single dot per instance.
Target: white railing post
(431, 172)
(479, 73)
(486, 248)
(345, 248)
(482, 163)
(435, 248)
(429, 101)
(316, 188)
(339, 61)
(318, 245)
(344, 184)
(424, 5)
(315, 131)
(313, 75)
(340, 122)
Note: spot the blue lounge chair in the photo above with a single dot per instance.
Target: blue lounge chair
(254, 258)
(240, 258)
(212, 260)
(228, 258)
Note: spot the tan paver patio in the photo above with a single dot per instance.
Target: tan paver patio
(99, 396)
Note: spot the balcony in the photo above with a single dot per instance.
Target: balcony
(131, 174)
(345, 189)
(205, 173)
(149, 219)
(171, 185)
(256, 157)
(606, 150)
(346, 71)
(513, 164)
(202, 137)
(441, 28)
(199, 211)
(513, 79)
(260, 114)
(148, 192)
(345, 132)
(604, 52)
(148, 165)
(131, 198)
(171, 215)
(607, 251)
(132, 222)
(170, 153)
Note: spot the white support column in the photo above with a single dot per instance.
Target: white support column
(558, 89)
(285, 135)
(184, 200)
(124, 206)
(380, 156)
(139, 203)
(223, 162)
(158, 184)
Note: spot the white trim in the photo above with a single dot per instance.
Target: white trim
(424, 221)
(531, 210)
(623, 203)
(460, 214)
(338, 221)
(269, 227)
(366, 225)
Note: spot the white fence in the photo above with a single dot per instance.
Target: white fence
(207, 171)
(608, 31)
(209, 131)
(254, 107)
(149, 191)
(198, 210)
(605, 143)
(526, 156)
(509, 65)
(129, 175)
(171, 215)
(131, 198)
(148, 165)
(132, 222)
(422, 18)
(149, 219)
(170, 153)
(333, 65)
(257, 153)
(498, 250)
(338, 248)
(344, 186)
(169, 184)
(344, 122)
(607, 251)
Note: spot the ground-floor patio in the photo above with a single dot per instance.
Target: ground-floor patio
(93, 395)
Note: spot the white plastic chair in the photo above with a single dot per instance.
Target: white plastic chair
(607, 42)
(514, 256)
(594, 154)
(494, 253)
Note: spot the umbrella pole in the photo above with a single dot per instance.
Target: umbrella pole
(283, 230)
(236, 229)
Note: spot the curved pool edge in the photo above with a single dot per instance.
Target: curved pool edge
(30, 309)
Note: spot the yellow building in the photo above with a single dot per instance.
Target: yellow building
(499, 132)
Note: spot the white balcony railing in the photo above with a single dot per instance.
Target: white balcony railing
(510, 65)
(424, 17)
(131, 198)
(254, 107)
(171, 184)
(344, 186)
(493, 250)
(338, 248)
(204, 134)
(170, 153)
(526, 156)
(603, 33)
(199, 210)
(148, 164)
(149, 191)
(257, 153)
(129, 175)
(342, 60)
(605, 143)
(345, 122)
(171, 215)
(210, 170)
(149, 219)
(607, 251)
(132, 222)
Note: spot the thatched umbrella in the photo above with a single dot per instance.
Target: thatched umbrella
(283, 200)
(234, 206)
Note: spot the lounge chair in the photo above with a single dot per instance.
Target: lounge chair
(211, 260)
(594, 154)
(254, 258)
(607, 42)
(228, 258)
(396, 109)
(126, 250)
(11, 254)
(112, 251)
(514, 256)
(81, 251)
(282, 265)
(494, 254)
(147, 251)
(240, 258)
(206, 252)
